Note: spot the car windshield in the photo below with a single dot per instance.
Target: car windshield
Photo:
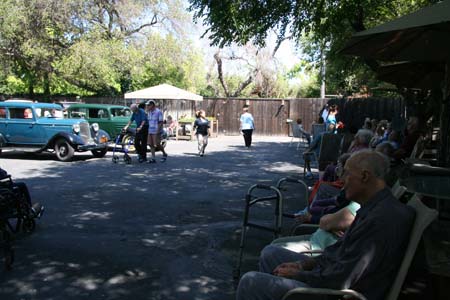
(49, 113)
(120, 112)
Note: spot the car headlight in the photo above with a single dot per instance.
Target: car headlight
(103, 139)
(95, 127)
(76, 128)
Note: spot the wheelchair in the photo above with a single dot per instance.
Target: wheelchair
(17, 214)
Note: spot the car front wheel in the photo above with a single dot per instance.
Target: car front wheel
(64, 151)
(99, 153)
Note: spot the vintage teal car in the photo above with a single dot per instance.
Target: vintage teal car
(111, 118)
(38, 127)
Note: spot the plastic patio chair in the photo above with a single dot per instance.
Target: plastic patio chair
(328, 152)
(424, 216)
(297, 134)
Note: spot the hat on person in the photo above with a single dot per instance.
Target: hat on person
(150, 102)
(133, 106)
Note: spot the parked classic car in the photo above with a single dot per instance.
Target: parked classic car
(111, 118)
(38, 127)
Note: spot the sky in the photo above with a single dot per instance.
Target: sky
(286, 54)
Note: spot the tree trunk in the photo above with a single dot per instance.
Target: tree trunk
(47, 85)
(30, 89)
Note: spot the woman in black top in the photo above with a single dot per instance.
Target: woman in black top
(201, 125)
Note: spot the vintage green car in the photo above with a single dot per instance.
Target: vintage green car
(111, 118)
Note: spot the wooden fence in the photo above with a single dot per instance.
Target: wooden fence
(271, 114)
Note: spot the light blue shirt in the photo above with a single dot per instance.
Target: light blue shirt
(154, 118)
(247, 121)
(322, 239)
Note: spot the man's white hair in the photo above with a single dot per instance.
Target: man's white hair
(375, 162)
(365, 135)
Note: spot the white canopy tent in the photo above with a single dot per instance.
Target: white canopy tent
(163, 92)
(173, 101)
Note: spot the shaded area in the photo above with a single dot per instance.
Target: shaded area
(163, 231)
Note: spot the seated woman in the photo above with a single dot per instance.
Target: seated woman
(325, 198)
(321, 207)
(361, 141)
(331, 228)
(379, 135)
(171, 126)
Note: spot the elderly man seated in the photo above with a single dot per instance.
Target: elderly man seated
(365, 259)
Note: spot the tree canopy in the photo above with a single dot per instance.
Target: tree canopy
(103, 47)
(326, 23)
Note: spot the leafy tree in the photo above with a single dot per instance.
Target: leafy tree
(166, 59)
(324, 22)
(80, 45)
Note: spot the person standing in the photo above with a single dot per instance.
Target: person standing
(140, 141)
(247, 126)
(155, 127)
(202, 127)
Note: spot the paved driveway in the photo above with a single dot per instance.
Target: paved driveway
(140, 231)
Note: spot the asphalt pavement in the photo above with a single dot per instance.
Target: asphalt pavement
(143, 231)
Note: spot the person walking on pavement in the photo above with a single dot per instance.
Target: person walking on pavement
(202, 127)
(155, 127)
(140, 141)
(247, 126)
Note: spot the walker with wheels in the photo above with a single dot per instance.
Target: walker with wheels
(124, 143)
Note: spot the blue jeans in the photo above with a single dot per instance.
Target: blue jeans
(265, 286)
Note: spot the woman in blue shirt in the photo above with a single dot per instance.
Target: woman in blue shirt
(247, 126)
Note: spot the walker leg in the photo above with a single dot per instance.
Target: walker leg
(237, 270)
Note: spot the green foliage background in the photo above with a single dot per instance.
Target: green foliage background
(109, 47)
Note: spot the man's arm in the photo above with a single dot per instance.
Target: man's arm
(128, 124)
(338, 221)
(300, 128)
(160, 121)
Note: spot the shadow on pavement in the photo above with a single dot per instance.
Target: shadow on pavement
(162, 231)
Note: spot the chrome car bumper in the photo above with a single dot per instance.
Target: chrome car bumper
(89, 147)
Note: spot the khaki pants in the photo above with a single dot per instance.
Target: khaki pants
(202, 142)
